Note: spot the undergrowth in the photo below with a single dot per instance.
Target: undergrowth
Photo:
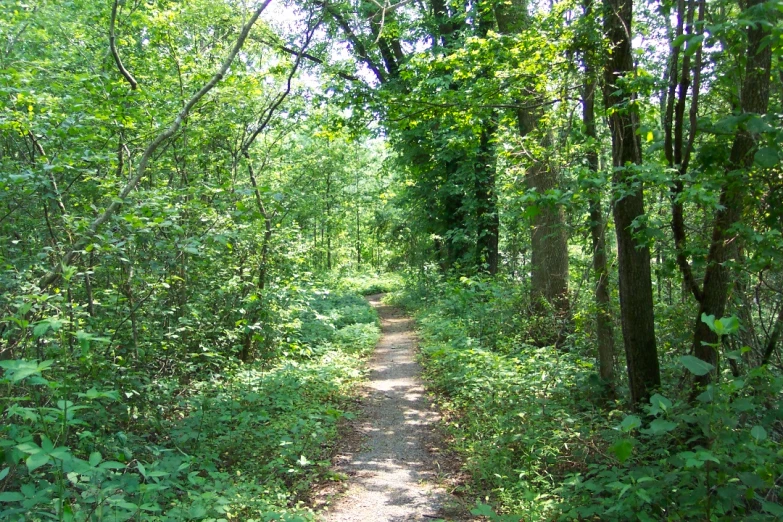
(369, 283)
(239, 442)
(542, 439)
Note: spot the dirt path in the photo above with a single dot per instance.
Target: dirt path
(391, 473)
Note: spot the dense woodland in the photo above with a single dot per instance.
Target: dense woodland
(581, 202)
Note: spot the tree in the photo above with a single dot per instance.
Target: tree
(603, 320)
(633, 259)
(754, 100)
(549, 236)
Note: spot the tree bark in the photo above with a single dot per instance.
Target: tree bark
(633, 260)
(677, 149)
(603, 320)
(754, 99)
(328, 225)
(549, 237)
(487, 219)
(113, 47)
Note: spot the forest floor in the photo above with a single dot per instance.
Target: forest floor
(391, 451)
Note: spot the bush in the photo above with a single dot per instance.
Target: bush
(540, 438)
(370, 283)
(223, 441)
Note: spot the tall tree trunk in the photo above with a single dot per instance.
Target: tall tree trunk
(88, 284)
(549, 241)
(358, 231)
(603, 319)
(328, 224)
(485, 192)
(488, 221)
(754, 99)
(677, 149)
(633, 260)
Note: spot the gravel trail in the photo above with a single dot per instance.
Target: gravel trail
(392, 473)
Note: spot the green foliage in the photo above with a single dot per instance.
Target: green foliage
(241, 442)
(529, 424)
(369, 283)
(185, 366)
(711, 460)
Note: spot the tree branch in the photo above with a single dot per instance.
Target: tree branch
(55, 272)
(265, 119)
(361, 50)
(113, 46)
(309, 57)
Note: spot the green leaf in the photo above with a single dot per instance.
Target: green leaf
(46, 444)
(726, 325)
(707, 455)
(709, 320)
(742, 404)
(679, 40)
(730, 124)
(40, 329)
(111, 464)
(36, 460)
(752, 480)
(757, 125)
(21, 368)
(95, 458)
(622, 449)
(659, 426)
(694, 43)
(766, 157)
(11, 496)
(28, 447)
(4, 473)
(735, 355)
(483, 510)
(659, 404)
(695, 365)
(197, 511)
(772, 508)
(707, 395)
(630, 422)
(68, 513)
(642, 494)
(758, 433)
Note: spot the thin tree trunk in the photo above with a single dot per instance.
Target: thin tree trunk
(487, 201)
(328, 223)
(262, 266)
(485, 191)
(88, 285)
(677, 149)
(774, 337)
(603, 320)
(633, 260)
(754, 99)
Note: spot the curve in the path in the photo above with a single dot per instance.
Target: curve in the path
(391, 477)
